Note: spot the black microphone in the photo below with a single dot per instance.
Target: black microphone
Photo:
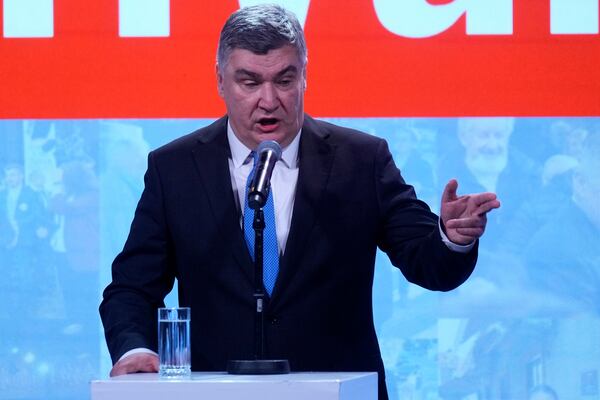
(268, 152)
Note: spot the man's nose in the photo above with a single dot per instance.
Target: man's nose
(269, 98)
(497, 144)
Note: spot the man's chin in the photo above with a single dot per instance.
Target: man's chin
(261, 137)
(490, 165)
(280, 137)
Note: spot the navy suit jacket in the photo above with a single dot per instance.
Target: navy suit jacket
(350, 199)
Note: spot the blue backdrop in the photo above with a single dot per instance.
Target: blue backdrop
(528, 317)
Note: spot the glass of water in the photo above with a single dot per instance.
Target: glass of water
(174, 342)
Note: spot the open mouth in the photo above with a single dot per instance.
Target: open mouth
(267, 121)
(268, 125)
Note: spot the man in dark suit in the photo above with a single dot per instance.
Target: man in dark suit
(337, 196)
(28, 224)
(25, 252)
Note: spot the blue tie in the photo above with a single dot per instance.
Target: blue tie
(270, 249)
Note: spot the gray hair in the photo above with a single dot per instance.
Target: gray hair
(259, 29)
(503, 124)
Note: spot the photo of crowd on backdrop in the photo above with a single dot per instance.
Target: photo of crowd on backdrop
(69, 189)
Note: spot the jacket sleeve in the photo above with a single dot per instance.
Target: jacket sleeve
(142, 274)
(409, 232)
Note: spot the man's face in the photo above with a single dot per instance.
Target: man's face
(486, 143)
(264, 94)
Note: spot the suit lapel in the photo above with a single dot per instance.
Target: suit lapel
(211, 156)
(315, 160)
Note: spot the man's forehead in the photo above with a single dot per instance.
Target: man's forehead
(487, 129)
(243, 72)
(274, 60)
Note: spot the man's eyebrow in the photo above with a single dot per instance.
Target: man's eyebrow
(288, 69)
(245, 73)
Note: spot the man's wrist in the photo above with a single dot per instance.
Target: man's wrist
(458, 248)
(135, 351)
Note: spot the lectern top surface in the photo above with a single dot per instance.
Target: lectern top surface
(224, 377)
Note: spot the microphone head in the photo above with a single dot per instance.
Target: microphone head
(256, 200)
(269, 145)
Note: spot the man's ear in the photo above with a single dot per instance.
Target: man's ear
(219, 75)
(304, 78)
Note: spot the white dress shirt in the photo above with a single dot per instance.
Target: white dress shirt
(283, 181)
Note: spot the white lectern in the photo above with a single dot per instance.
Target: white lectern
(221, 386)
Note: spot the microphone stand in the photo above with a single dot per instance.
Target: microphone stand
(258, 366)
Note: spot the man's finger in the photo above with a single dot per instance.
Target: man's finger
(481, 198)
(487, 207)
(130, 368)
(473, 233)
(119, 369)
(469, 222)
(450, 191)
(139, 362)
(460, 239)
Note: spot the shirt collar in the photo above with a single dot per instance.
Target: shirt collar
(239, 151)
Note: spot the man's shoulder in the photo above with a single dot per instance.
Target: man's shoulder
(341, 135)
(187, 142)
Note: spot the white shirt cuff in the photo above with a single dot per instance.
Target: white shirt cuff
(137, 350)
(459, 248)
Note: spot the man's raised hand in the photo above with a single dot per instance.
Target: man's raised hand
(464, 217)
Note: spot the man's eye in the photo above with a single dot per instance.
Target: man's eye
(250, 83)
(285, 82)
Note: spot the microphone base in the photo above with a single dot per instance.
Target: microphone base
(258, 367)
